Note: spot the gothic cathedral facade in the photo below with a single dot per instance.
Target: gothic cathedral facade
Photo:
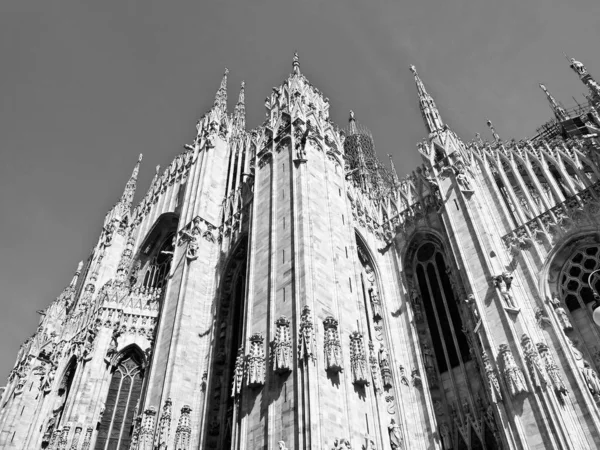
(280, 289)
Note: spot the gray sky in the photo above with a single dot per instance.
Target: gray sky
(87, 86)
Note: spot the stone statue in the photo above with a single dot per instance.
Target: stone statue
(376, 304)
(416, 302)
(578, 67)
(395, 434)
(428, 361)
(445, 433)
(471, 304)
(503, 283)
(463, 180)
(281, 445)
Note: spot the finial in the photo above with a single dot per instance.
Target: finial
(140, 157)
(352, 122)
(296, 63)
(127, 197)
(558, 110)
(394, 173)
(429, 111)
(578, 67)
(76, 275)
(491, 127)
(479, 140)
(221, 96)
(239, 118)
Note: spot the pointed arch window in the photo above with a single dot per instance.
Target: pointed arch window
(441, 310)
(114, 432)
(160, 266)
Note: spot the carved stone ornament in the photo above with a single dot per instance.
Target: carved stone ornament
(384, 364)
(494, 384)
(551, 369)
(164, 425)
(534, 363)
(341, 444)
(375, 369)
(358, 360)
(76, 438)
(255, 370)
(333, 348)
(429, 363)
(306, 338)
(146, 436)
(184, 429)
(513, 376)
(282, 347)
(416, 378)
(238, 374)
(87, 438)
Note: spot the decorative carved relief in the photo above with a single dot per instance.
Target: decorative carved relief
(282, 347)
(384, 364)
(256, 361)
(76, 437)
(395, 435)
(494, 384)
(333, 348)
(513, 376)
(358, 360)
(534, 363)
(551, 369)
(238, 374)
(306, 338)
(375, 369)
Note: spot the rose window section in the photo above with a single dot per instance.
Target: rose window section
(576, 291)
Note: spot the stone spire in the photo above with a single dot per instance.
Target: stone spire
(394, 173)
(559, 111)
(126, 200)
(221, 96)
(429, 111)
(239, 119)
(296, 64)
(586, 78)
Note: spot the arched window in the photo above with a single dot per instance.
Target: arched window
(157, 271)
(114, 432)
(441, 310)
(574, 285)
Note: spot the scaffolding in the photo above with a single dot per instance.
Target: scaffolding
(364, 168)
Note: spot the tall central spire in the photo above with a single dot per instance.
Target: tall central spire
(559, 111)
(429, 111)
(221, 96)
(296, 64)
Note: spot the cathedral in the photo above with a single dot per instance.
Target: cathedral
(281, 288)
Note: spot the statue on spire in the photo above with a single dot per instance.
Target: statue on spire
(429, 111)
(296, 64)
(491, 127)
(578, 67)
(559, 111)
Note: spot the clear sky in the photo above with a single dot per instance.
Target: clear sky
(88, 85)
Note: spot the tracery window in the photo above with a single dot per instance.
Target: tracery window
(574, 285)
(157, 271)
(441, 310)
(114, 432)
